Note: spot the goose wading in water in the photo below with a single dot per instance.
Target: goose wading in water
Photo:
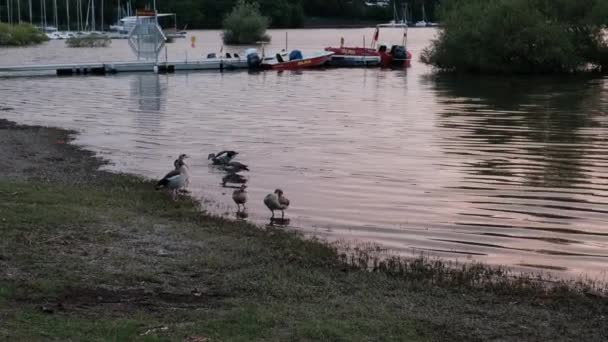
(175, 179)
(222, 158)
(235, 166)
(277, 201)
(240, 196)
(234, 178)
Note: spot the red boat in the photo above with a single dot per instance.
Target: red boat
(358, 56)
(361, 56)
(297, 60)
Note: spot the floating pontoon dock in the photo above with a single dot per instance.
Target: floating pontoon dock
(101, 68)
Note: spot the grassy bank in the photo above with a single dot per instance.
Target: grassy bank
(88, 255)
(20, 35)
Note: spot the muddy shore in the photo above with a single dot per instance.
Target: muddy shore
(90, 255)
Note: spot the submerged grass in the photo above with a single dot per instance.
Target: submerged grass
(96, 256)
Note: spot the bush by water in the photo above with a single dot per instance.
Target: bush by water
(521, 36)
(245, 24)
(21, 34)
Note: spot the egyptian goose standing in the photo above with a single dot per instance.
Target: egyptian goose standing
(175, 179)
(277, 201)
(240, 196)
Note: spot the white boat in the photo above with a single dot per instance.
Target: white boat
(423, 22)
(126, 24)
(392, 23)
(396, 22)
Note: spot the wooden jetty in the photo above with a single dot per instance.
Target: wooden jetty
(101, 68)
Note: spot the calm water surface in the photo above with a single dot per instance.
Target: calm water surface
(502, 170)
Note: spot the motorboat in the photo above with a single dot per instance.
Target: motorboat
(297, 60)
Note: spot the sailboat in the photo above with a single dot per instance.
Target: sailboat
(422, 23)
(396, 22)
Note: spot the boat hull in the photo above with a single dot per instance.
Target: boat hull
(366, 57)
(307, 62)
(346, 61)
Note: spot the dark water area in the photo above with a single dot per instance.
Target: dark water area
(504, 170)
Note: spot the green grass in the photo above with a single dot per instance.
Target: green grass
(114, 259)
(66, 240)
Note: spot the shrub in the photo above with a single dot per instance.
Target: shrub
(245, 24)
(22, 34)
(520, 36)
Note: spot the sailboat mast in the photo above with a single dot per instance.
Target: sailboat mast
(67, 10)
(42, 14)
(31, 17)
(395, 11)
(79, 15)
(44, 23)
(77, 18)
(423, 13)
(55, 13)
(93, 15)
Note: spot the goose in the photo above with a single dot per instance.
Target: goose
(180, 160)
(234, 166)
(240, 196)
(222, 158)
(234, 178)
(175, 179)
(277, 201)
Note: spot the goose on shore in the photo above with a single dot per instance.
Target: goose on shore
(277, 201)
(175, 179)
(179, 161)
(240, 197)
(235, 166)
(222, 158)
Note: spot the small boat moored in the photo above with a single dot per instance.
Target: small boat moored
(354, 57)
(297, 60)
(396, 56)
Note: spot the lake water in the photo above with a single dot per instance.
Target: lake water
(504, 170)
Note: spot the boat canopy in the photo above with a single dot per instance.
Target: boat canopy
(135, 18)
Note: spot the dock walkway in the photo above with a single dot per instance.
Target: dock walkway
(103, 68)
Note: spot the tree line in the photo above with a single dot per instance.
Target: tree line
(210, 13)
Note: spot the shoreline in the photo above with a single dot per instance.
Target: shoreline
(108, 252)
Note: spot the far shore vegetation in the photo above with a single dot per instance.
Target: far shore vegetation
(89, 40)
(245, 24)
(20, 35)
(521, 37)
(90, 255)
(208, 14)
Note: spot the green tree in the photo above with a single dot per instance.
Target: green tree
(520, 36)
(245, 24)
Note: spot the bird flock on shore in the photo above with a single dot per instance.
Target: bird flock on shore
(177, 181)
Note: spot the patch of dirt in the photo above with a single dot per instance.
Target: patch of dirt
(123, 300)
(43, 153)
